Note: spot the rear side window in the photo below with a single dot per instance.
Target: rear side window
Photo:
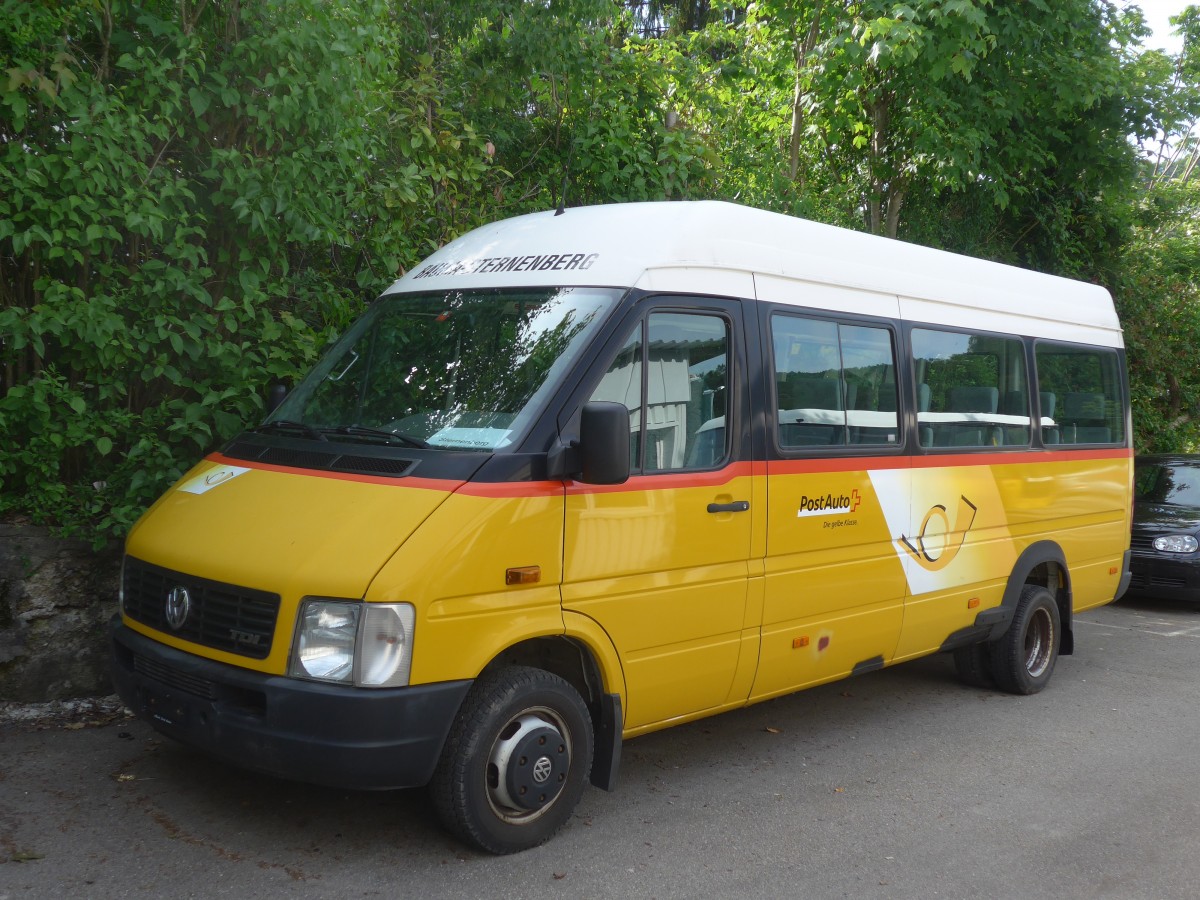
(835, 384)
(1080, 389)
(972, 390)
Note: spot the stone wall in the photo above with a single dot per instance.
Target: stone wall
(56, 597)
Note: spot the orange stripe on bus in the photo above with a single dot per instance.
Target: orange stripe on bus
(408, 481)
(666, 481)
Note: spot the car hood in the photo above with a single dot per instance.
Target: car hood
(286, 531)
(1159, 517)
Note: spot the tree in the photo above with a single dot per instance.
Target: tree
(1159, 287)
(578, 110)
(888, 101)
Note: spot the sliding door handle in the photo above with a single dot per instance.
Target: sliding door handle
(735, 506)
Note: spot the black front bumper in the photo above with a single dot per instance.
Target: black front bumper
(333, 735)
(1165, 578)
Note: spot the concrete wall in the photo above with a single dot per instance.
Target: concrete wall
(56, 597)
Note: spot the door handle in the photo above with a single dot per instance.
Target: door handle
(735, 506)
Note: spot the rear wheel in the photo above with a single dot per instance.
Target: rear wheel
(1023, 659)
(974, 665)
(516, 761)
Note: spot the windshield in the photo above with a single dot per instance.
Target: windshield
(1165, 483)
(465, 370)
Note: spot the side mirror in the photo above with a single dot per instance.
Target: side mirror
(604, 443)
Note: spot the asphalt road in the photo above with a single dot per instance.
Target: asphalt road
(901, 783)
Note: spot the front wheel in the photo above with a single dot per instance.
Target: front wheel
(1022, 660)
(516, 761)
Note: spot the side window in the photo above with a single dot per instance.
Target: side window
(1080, 390)
(972, 390)
(676, 386)
(622, 383)
(835, 384)
(687, 391)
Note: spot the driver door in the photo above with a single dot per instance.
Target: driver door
(661, 562)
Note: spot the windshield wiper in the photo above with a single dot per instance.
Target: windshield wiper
(364, 431)
(289, 425)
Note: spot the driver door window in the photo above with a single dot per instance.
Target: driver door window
(672, 374)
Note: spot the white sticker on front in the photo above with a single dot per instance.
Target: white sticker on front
(206, 481)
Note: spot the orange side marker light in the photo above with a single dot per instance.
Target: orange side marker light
(523, 575)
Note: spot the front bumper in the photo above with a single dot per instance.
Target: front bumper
(1165, 578)
(332, 735)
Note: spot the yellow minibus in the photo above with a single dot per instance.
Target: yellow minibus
(584, 475)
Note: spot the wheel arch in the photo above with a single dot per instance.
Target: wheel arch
(1042, 563)
(575, 660)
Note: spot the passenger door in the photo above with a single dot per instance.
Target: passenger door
(834, 585)
(661, 562)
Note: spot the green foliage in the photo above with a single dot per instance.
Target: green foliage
(195, 194)
(192, 196)
(1158, 272)
(572, 103)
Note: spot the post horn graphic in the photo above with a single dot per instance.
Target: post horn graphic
(218, 476)
(940, 557)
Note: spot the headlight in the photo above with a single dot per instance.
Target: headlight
(348, 642)
(385, 645)
(1176, 543)
(325, 640)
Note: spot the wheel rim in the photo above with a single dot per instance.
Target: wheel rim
(1039, 643)
(528, 765)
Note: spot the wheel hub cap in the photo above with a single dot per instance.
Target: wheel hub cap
(531, 760)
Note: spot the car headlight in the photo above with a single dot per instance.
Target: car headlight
(1176, 543)
(349, 642)
(385, 645)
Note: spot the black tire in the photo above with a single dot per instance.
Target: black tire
(973, 663)
(516, 761)
(1023, 658)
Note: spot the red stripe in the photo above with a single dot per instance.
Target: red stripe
(667, 481)
(507, 489)
(837, 464)
(409, 481)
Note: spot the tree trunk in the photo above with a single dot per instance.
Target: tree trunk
(803, 48)
(886, 196)
(896, 197)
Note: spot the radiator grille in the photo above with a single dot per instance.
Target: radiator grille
(222, 616)
(1142, 542)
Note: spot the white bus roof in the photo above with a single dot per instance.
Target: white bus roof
(724, 249)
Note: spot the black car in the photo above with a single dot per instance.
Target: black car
(1165, 543)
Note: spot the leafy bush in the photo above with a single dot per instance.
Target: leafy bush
(192, 197)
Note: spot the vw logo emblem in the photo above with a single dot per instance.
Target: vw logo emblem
(542, 769)
(179, 604)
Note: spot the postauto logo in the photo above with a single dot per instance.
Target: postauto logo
(829, 504)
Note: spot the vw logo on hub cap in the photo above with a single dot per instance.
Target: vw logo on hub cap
(179, 604)
(542, 769)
